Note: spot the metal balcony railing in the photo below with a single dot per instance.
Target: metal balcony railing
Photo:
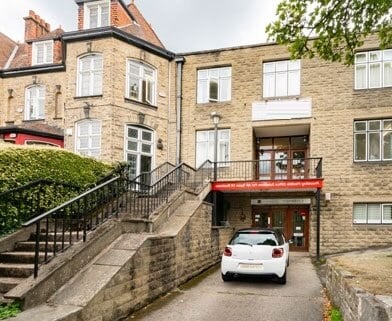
(279, 169)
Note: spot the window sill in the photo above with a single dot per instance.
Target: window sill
(133, 101)
(370, 90)
(278, 98)
(86, 97)
(375, 162)
(33, 120)
(214, 103)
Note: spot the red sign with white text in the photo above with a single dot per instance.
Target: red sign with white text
(296, 184)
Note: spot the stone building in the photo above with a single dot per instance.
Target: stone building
(301, 145)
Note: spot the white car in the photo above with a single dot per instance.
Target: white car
(256, 251)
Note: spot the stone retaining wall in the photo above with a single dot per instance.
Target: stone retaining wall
(355, 303)
(160, 264)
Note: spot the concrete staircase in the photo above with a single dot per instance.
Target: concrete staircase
(18, 264)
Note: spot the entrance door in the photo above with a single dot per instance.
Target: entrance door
(293, 221)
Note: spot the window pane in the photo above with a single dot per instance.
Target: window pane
(387, 213)
(388, 54)
(132, 145)
(146, 148)
(359, 125)
(359, 213)
(360, 77)
(388, 74)
(225, 89)
(269, 85)
(269, 67)
(375, 75)
(387, 145)
(281, 66)
(360, 57)
(281, 84)
(374, 213)
(214, 89)
(202, 91)
(294, 65)
(374, 125)
(132, 133)
(147, 136)
(359, 147)
(374, 146)
(293, 83)
(375, 56)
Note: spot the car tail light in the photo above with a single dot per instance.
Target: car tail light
(227, 251)
(276, 253)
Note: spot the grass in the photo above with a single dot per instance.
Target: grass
(336, 315)
(9, 310)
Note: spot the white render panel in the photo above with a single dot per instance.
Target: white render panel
(282, 109)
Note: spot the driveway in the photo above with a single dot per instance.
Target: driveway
(211, 299)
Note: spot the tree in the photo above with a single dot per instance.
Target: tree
(331, 29)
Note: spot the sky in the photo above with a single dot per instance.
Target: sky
(182, 25)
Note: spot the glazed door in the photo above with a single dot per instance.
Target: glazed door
(298, 228)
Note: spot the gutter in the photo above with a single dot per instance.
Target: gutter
(110, 31)
(180, 62)
(31, 70)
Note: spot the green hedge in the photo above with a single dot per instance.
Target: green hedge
(21, 165)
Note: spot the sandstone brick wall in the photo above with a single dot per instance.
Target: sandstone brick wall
(159, 265)
(13, 109)
(112, 108)
(335, 105)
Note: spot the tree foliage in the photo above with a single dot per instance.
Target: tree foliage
(338, 27)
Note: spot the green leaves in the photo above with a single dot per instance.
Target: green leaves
(9, 310)
(331, 29)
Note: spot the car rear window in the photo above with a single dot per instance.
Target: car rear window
(254, 238)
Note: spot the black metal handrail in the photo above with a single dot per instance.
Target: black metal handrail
(277, 169)
(60, 227)
(24, 202)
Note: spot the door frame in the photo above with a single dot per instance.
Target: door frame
(288, 228)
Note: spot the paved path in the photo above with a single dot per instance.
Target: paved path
(211, 299)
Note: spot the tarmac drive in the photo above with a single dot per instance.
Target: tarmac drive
(211, 299)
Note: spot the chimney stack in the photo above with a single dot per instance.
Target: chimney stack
(35, 26)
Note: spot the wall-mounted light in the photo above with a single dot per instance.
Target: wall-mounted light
(160, 143)
(10, 93)
(306, 139)
(141, 117)
(86, 109)
(327, 197)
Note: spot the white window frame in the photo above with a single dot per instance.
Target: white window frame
(33, 110)
(381, 132)
(98, 5)
(205, 78)
(93, 74)
(47, 52)
(139, 145)
(385, 58)
(289, 71)
(207, 147)
(146, 84)
(90, 150)
(366, 220)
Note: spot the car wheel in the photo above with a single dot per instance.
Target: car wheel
(227, 277)
(283, 279)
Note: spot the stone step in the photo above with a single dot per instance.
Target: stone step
(7, 284)
(30, 246)
(22, 257)
(58, 236)
(14, 270)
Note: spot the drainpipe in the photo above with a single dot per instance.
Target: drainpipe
(179, 61)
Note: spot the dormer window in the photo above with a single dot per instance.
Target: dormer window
(96, 14)
(42, 52)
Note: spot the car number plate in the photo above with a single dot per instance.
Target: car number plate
(247, 266)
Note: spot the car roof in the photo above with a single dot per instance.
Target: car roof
(258, 230)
